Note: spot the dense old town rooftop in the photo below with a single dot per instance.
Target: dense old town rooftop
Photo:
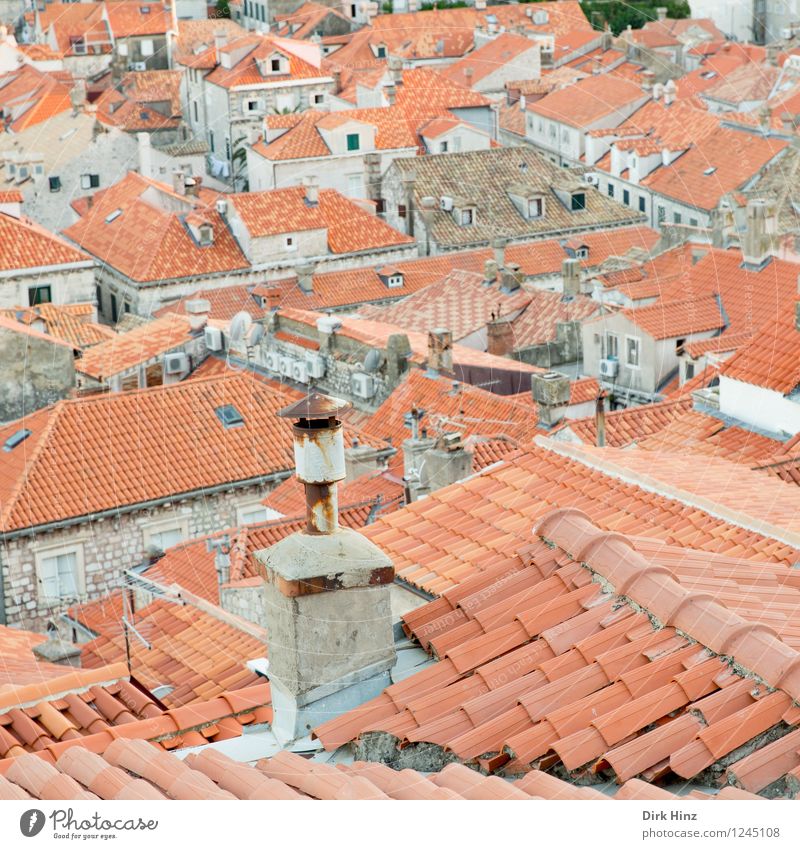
(399, 404)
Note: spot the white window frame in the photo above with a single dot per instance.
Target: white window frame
(395, 281)
(638, 343)
(290, 243)
(53, 551)
(122, 48)
(609, 337)
(147, 47)
(163, 526)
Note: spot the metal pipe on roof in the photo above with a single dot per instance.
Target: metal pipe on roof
(600, 419)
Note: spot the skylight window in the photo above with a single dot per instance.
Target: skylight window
(709, 171)
(14, 440)
(113, 216)
(229, 416)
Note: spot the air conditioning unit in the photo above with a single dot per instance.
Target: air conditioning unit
(300, 371)
(286, 366)
(137, 66)
(609, 368)
(316, 365)
(176, 364)
(362, 385)
(273, 361)
(592, 179)
(446, 203)
(213, 337)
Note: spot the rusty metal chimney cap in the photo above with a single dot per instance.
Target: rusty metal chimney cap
(315, 406)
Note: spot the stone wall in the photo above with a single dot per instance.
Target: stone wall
(109, 547)
(34, 372)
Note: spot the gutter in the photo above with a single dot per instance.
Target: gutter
(142, 505)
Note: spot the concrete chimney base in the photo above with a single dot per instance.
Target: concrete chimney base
(294, 717)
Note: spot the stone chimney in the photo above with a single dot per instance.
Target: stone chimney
(447, 462)
(311, 186)
(219, 42)
(500, 337)
(571, 275)
(490, 271)
(198, 310)
(305, 277)
(499, 247)
(440, 350)
(661, 12)
(414, 450)
(221, 547)
(759, 233)
(360, 460)
(327, 588)
(550, 392)
(511, 278)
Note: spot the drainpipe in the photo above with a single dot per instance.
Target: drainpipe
(2, 593)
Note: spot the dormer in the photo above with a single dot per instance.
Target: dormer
(274, 65)
(465, 213)
(345, 135)
(573, 197)
(391, 277)
(379, 50)
(529, 202)
(577, 249)
(201, 229)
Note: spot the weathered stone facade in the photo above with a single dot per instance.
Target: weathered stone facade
(109, 546)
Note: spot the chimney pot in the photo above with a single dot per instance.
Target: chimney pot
(440, 350)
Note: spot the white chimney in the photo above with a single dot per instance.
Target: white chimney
(328, 611)
(311, 190)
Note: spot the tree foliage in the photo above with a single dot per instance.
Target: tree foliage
(620, 15)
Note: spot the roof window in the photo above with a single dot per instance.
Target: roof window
(14, 440)
(229, 416)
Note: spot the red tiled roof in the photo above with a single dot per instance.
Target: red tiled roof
(686, 179)
(302, 139)
(70, 21)
(180, 651)
(772, 359)
(163, 248)
(360, 285)
(194, 44)
(461, 302)
(501, 52)
(539, 665)
(246, 73)
(451, 406)
(140, 346)
(25, 244)
(473, 526)
(671, 319)
(101, 439)
(87, 716)
(145, 101)
(70, 323)
(225, 303)
(589, 100)
(625, 427)
(350, 228)
(127, 18)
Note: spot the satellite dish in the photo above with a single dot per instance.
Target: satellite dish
(240, 324)
(372, 361)
(254, 335)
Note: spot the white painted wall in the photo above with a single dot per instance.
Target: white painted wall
(733, 17)
(758, 406)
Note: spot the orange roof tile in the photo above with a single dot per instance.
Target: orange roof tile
(71, 323)
(25, 244)
(179, 652)
(589, 100)
(349, 226)
(539, 666)
(164, 247)
(127, 18)
(671, 319)
(501, 52)
(686, 179)
(225, 303)
(193, 46)
(772, 359)
(100, 438)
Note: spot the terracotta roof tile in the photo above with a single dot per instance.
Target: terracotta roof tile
(624, 708)
(43, 476)
(591, 99)
(25, 244)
